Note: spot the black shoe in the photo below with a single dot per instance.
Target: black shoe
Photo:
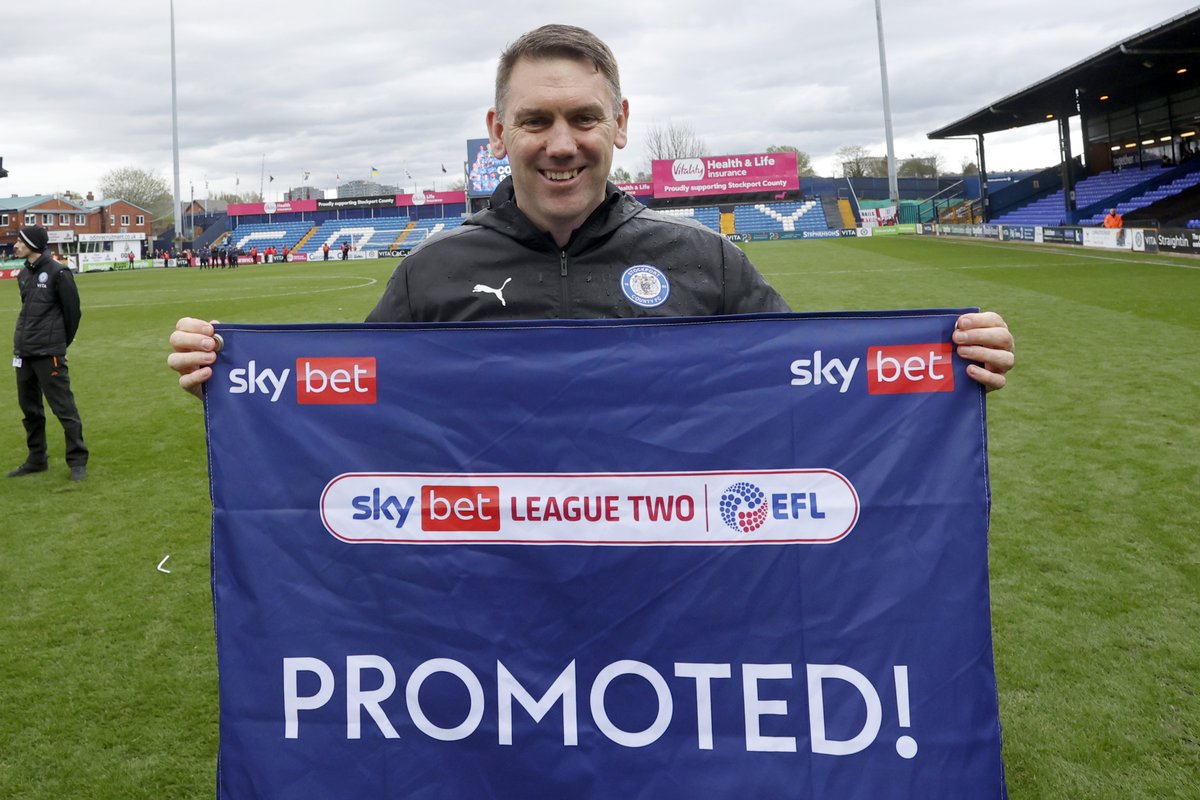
(26, 469)
(78, 473)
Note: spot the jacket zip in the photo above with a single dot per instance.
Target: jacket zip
(566, 294)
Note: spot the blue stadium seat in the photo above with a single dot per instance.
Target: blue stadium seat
(381, 233)
(780, 217)
(266, 234)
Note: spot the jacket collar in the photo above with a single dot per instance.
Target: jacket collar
(505, 217)
(44, 259)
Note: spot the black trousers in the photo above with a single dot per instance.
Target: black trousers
(47, 376)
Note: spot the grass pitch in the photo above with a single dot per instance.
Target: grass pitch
(108, 684)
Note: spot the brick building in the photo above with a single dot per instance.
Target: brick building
(65, 218)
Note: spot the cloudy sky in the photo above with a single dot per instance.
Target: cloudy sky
(336, 87)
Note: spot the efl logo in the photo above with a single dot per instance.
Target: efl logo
(341, 381)
(910, 369)
(460, 508)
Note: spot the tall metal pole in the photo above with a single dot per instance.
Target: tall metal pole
(981, 154)
(175, 136)
(893, 187)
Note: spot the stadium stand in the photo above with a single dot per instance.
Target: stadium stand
(263, 234)
(1048, 210)
(1149, 197)
(422, 230)
(809, 215)
(780, 217)
(396, 233)
(708, 216)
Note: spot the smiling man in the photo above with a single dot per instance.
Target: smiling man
(559, 241)
(562, 240)
(558, 120)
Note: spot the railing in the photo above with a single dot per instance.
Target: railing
(933, 207)
(963, 213)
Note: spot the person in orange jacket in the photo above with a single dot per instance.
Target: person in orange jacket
(1113, 220)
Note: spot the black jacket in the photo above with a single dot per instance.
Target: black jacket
(624, 261)
(50, 313)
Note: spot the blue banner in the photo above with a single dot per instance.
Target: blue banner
(683, 558)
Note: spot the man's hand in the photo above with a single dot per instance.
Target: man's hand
(985, 338)
(195, 352)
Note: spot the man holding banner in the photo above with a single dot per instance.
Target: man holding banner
(554, 571)
(558, 115)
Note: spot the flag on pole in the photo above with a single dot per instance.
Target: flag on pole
(374, 172)
(443, 167)
(271, 179)
(306, 174)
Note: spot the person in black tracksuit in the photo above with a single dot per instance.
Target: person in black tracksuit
(46, 326)
(624, 261)
(561, 242)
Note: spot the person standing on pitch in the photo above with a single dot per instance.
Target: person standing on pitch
(46, 326)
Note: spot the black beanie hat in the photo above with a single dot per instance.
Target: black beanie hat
(35, 237)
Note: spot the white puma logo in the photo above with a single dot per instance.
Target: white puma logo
(479, 288)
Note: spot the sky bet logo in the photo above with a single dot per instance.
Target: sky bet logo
(443, 508)
(909, 369)
(319, 381)
(895, 369)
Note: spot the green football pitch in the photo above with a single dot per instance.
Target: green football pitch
(108, 684)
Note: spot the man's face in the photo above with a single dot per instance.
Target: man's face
(21, 250)
(558, 131)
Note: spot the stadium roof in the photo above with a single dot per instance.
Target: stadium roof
(1145, 63)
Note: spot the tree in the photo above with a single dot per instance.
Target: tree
(458, 185)
(877, 166)
(855, 160)
(244, 197)
(969, 167)
(918, 167)
(620, 175)
(141, 187)
(804, 165)
(673, 140)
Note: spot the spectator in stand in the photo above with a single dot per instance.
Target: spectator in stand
(1113, 220)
